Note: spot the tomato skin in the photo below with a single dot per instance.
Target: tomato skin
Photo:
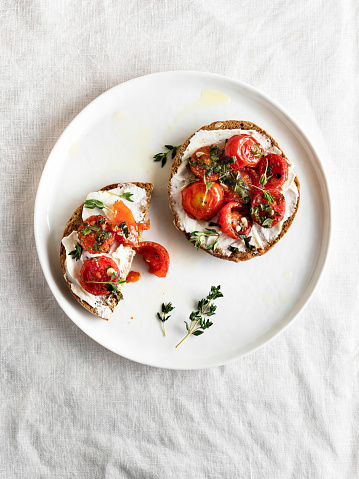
(202, 155)
(277, 171)
(262, 210)
(156, 256)
(199, 203)
(231, 218)
(95, 234)
(94, 274)
(242, 147)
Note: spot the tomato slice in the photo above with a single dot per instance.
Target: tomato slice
(245, 149)
(268, 208)
(233, 222)
(156, 256)
(200, 203)
(95, 234)
(199, 160)
(95, 274)
(275, 168)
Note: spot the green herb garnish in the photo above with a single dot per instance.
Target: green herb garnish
(92, 204)
(112, 285)
(205, 307)
(233, 250)
(162, 157)
(165, 309)
(268, 197)
(196, 237)
(257, 152)
(123, 226)
(77, 252)
(126, 195)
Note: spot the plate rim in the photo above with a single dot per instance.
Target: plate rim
(287, 116)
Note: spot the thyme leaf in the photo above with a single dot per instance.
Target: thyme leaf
(126, 195)
(92, 204)
(77, 252)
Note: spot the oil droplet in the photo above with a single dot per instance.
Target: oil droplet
(267, 299)
(287, 274)
(74, 149)
(171, 126)
(285, 298)
(207, 99)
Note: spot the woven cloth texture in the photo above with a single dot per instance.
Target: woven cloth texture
(71, 409)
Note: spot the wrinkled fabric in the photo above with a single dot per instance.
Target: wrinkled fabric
(71, 409)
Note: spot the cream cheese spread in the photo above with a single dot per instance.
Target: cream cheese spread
(122, 255)
(260, 236)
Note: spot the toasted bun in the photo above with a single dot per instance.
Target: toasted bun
(219, 252)
(74, 223)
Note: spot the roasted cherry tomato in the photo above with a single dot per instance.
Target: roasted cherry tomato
(250, 176)
(245, 149)
(96, 273)
(268, 208)
(126, 228)
(198, 162)
(232, 222)
(156, 256)
(275, 169)
(96, 235)
(200, 203)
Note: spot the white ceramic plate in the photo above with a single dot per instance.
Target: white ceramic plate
(113, 140)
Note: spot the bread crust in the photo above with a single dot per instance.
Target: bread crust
(74, 223)
(218, 253)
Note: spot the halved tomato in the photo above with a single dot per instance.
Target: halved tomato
(96, 273)
(268, 208)
(200, 203)
(126, 229)
(245, 149)
(275, 169)
(200, 164)
(96, 235)
(156, 256)
(233, 222)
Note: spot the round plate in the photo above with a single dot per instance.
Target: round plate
(113, 140)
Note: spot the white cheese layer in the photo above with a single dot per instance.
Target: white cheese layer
(260, 236)
(122, 255)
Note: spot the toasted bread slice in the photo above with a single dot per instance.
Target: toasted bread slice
(174, 187)
(102, 306)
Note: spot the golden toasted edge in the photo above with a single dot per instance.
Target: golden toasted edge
(74, 223)
(230, 125)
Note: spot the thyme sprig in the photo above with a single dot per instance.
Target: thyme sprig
(165, 309)
(162, 157)
(77, 252)
(112, 285)
(92, 204)
(126, 195)
(208, 186)
(196, 238)
(205, 308)
(257, 152)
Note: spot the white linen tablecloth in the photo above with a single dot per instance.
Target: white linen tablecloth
(70, 408)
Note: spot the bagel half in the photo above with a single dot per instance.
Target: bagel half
(101, 306)
(232, 250)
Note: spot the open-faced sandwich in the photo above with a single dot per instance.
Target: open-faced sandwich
(100, 241)
(232, 190)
